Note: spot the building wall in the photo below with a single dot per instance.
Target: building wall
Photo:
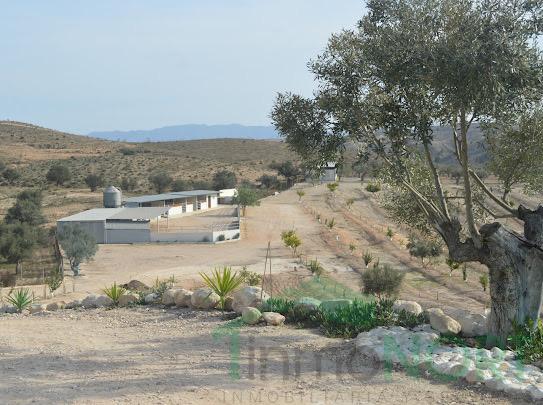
(128, 236)
(228, 234)
(329, 175)
(187, 237)
(95, 228)
(214, 201)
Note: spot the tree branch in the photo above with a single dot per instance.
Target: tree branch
(494, 198)
(437, 181)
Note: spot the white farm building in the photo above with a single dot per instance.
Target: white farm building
(148, 218)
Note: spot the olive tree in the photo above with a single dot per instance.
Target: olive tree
(246, 197)
(408, 65)
(78, 245)
(58, 174)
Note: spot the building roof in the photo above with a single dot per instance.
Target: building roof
(170, 196)
(103, 214)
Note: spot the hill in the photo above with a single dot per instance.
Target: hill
(190, 132)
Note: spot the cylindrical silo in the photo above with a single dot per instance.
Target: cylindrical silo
(112, 197)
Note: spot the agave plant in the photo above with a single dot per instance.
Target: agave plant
(20, 299)
(368, 258)
(223, 282)
(115, 292)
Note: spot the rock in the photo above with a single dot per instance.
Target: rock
(136, 286)
(37, 308)
(55, 306)
(331, 305)
(204, 298)
(444, 324)
(229, 304)
(472, 324)
(126, 300)
(8, 309)
(168, 297)
(151, 298)
(250, 315)
(182, 298)
(89, 301)
(248, 297)
(412, 307)
(73, 304)
(478, 375)
(536, 391)
(307, 303)
(103, 301)
(273, 318)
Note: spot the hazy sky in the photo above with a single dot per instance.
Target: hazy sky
(83, 65)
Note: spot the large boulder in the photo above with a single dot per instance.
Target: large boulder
(73, 304)
(204, 298)
(8, 309)
(472, 324)
(444, 324)
(331, 305)
(55, 306)
(273, 318)
(37, 308)
(307, 304)
(103, 301)
(250, 315)
(151, 298)
(168, 297)
(182, 298)
(126, 300)
(89, 301)
(412, 307)
(248, 297)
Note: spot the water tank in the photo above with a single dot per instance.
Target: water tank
(112, 197)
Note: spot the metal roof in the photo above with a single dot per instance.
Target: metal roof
(169, 196)
(103, 214)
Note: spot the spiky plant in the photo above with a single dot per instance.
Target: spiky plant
(331, 223)
(300, 193)
(20, 299)
(115, 292)
(367, 257)
(315, 268)
(389, 233)
(223, 282)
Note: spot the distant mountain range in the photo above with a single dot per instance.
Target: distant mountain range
(189, 132)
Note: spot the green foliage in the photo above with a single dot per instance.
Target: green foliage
(300, 193)
(389, 233)
(515, 149)
(21, 298)
(330, 224)
(181, 185)
(527, 340)
(349, 202)
(352, 247)
(367, 257)
(246, 197)
(483, 280)
(250, 277)
(332, 187)
(291, 240)
(382, 281)
(127, 151)
(114, 292)
(18, 241)
(11, 175)
(322, 288)
(280, 305)
(373, 187)
(288, 170)
(129, 183)
(160, 286)
(27, 209)
(54, 280)
(315, 268)
(224, 179)
(221, 238)
(58, 174)
(453, 265)
(423, 247)
(269, 182)
(94, 181)
(160, 181)
(223, 282)
(78, 245)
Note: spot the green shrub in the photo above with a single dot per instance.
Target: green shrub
(368, 258)
(54, 281)
(332, 187)
(389, 233)
(315, 268)
(160, 286)
(291, 240)
(250, 277)
(221, 238)
(20, 299)
(373, 187)
(382, 281)
(527, 340)
(423, 248)
(483, 280)
(280, 305)
(115, 293)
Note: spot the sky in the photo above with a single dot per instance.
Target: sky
(82, 66)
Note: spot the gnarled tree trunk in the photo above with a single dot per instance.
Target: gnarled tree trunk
(515, 265)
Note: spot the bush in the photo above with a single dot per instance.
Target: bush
(58, 174)
(368, 258)
(78, 245)
(221, 238)
(94, 181)
(279, 305)
(382, 280)
(236, 236)
(11, 175)
(332, 187)
(483, 280)
(160, 286)
(160, 181)
(291, 240)
(129, 184)
(127, 151)
(423, 248)
(223, 282)
(54, 281)
(527, 340)
(181, 185)
(373, 187)
(250, 277)
(224, 179)
(315, 268)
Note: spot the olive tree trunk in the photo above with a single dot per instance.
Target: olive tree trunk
(515, 264)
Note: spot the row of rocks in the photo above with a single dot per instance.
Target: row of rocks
(418, 349)
(252, 316)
